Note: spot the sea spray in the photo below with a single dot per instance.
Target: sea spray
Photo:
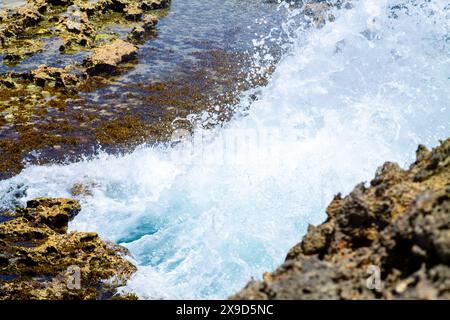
(203, 216)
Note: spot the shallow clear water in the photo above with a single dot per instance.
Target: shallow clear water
(205, 215)
(190, 27)
(193, 27)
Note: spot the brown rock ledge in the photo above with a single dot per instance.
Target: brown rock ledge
(38, 256)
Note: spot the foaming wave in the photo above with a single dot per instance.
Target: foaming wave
(205, 215)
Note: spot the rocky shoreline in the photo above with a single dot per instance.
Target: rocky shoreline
(79, 25)
(40, 260)
(91, 50)
(399, 226)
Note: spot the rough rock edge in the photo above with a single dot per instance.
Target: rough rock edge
(36, 254)
(400, 224)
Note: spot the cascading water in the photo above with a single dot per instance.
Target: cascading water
(205, 215)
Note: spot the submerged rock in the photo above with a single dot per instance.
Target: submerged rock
(399, 226)
(318, 12)
(40, 260)
(81, 189)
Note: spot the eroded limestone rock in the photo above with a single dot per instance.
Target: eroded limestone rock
(38, 256)
(56, 77)
(108, 57)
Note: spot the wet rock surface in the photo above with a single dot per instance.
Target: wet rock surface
(108, 57)
(39, 259)
(61, 78)
(399, 225)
